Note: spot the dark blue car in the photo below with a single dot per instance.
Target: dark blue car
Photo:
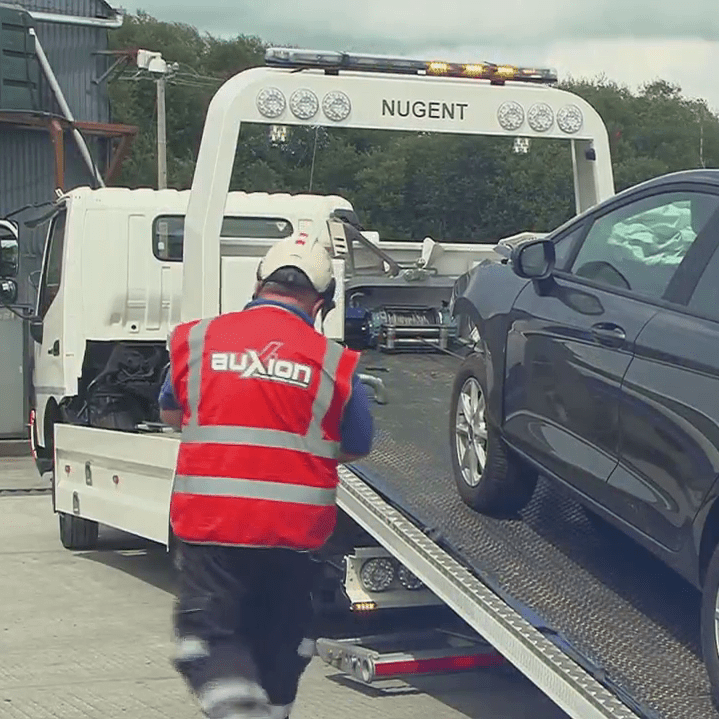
(596, 363)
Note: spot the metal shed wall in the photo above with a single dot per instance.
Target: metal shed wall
(27, 155)
(70, 52)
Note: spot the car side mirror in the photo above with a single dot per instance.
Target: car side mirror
(534, 260)
(36, 329)
(8, 291)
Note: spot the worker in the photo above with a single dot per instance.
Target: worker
(268, 407)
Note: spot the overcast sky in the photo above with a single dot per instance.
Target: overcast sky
(630, 41)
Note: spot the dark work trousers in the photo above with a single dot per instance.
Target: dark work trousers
(244, 624)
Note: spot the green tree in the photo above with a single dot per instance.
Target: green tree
(406, 185)
(187, 97)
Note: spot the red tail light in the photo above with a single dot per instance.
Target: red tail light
(465, 662)
(33, 448)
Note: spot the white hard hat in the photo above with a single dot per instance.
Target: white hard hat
(303, 253)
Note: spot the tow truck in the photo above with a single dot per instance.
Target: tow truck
(550, 602)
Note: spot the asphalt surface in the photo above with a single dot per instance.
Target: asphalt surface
(87, 635)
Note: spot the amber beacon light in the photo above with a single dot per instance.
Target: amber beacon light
(334, 62)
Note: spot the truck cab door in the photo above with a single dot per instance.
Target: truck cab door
(47, 330)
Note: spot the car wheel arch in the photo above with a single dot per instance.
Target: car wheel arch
(465, 309)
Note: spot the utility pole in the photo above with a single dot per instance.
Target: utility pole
(161, 137)
(314, 153)
(159, 69)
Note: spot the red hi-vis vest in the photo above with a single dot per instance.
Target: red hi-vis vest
(263, 395)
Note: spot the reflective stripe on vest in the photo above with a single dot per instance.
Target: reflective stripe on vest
(261, 437)
(255, 489)
(312, 442)
(195, 341)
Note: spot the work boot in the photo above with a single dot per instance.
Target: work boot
(250, 712)
(234, 699)
(242, 710)
(280, 712)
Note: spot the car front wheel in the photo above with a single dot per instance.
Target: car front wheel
(490, 479)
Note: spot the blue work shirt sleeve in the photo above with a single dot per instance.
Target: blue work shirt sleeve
(167, 399)
(357, 428)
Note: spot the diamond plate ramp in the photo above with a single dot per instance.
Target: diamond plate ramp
(616, 605)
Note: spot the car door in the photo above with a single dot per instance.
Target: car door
(669, 411)
(573, 342)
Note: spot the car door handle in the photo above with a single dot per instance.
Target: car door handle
(609, 331)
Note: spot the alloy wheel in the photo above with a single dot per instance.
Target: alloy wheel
(471, 432)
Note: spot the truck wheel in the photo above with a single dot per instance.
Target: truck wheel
(77, 533)
(489, 478)
(710, 624)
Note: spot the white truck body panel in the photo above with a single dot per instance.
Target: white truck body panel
(119, 479)
(124, 481)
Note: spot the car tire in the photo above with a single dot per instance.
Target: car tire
(490, 479)
(710, 624)
(77, 533)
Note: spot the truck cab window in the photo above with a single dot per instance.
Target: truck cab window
(168, 232)
(52, 272)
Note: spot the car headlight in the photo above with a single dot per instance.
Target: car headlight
(408, 580)
(377, 574)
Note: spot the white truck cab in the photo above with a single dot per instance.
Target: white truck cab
(111, 291)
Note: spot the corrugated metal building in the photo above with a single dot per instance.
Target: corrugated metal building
(37, 151)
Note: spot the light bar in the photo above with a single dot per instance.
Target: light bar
(331, 61)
